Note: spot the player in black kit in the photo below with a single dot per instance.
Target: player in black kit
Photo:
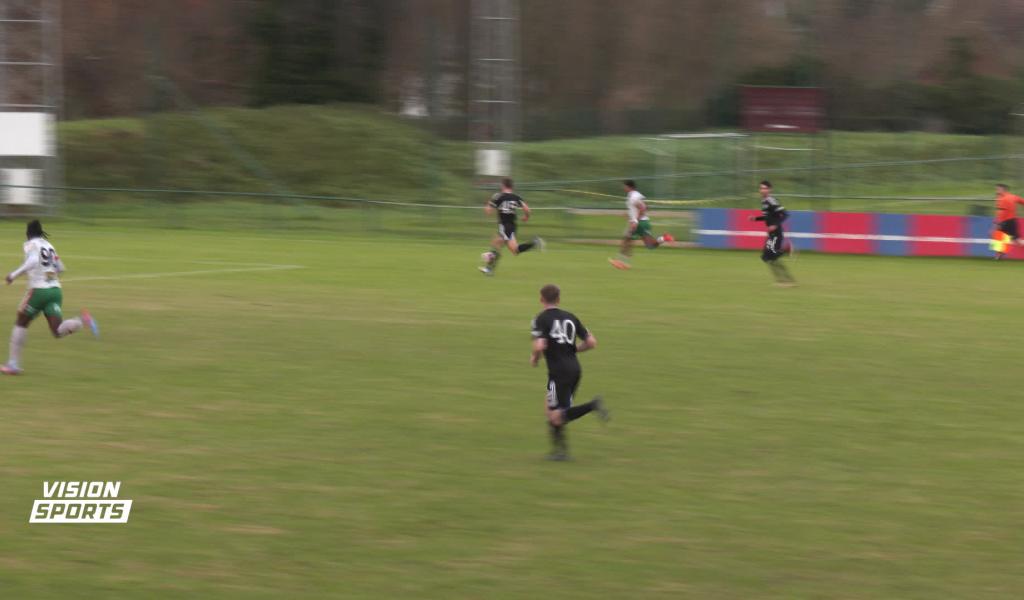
(559, 335)
(506, 203)
(775, 245)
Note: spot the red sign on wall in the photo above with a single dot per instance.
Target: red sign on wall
(782, 109)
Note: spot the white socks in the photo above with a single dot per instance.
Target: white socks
(18, 336)
(69, 326)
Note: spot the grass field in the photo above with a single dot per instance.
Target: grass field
(306, 414)
(362, 152)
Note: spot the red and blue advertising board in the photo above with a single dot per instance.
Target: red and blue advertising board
(855, 233)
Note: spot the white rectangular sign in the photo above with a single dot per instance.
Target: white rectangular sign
(20, 177)
(493, 162)
(26, 134)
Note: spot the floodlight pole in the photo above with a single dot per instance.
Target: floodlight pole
(30, 82)
(494, 90)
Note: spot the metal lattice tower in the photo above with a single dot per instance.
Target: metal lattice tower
(495, 95)
(30, 93)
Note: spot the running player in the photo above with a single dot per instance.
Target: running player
(42, 266)
(638, 227)
(775, 244)
(506, 203)
(1006, 217)
(559, 336)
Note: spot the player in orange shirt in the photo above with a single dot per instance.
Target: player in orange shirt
(1006, 215)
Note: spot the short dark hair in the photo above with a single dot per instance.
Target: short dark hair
(35, 230)
(1003, 187)
(630, 184)
(507, 183)
(766, 183)
(550, 293)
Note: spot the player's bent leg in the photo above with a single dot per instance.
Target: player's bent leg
(527, 246)
(54, 326)
(653, 242)
(513, 245)
(574, 412)
(64, 328)
(59, 326)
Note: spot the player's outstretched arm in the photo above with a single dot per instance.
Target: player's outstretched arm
(30, 261)
(526, 212)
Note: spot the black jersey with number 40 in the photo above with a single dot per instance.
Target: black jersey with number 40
(507, 205)
(561, 329)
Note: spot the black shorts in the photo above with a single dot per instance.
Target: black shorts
(561, 389)
(773, 245)
(507, 230)
(1009, 227)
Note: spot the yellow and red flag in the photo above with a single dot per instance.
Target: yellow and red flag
(1000, 240)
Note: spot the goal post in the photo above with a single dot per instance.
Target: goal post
(697, 166)
(786, 126)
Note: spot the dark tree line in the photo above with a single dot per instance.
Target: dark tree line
(589, 66)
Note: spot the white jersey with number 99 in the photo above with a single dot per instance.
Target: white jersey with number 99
(43, 264)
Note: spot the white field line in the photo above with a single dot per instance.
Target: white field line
(237, 263)
(78, 257)
(160, 275)
(254, 238)
(234, 267)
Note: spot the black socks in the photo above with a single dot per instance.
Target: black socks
(575, 412)
(557, 436)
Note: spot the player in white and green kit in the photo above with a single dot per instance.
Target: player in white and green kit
(639, 227)
(42, 267)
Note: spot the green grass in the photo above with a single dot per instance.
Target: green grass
(368, 427)
(362, 152)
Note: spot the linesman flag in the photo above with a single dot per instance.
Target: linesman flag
(1000, 240)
